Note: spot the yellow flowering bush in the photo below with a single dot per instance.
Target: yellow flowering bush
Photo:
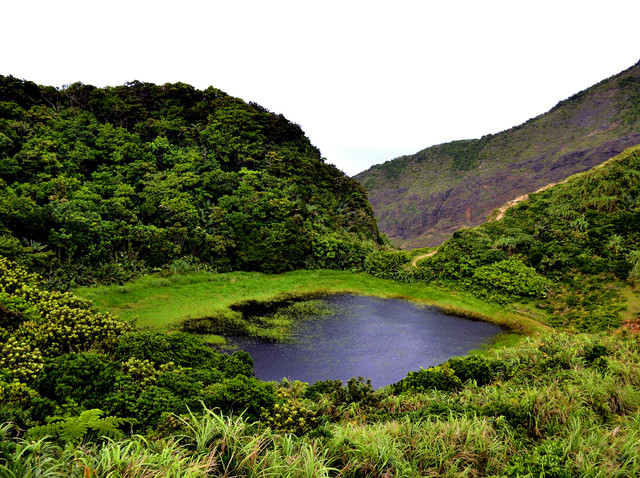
(142, 371)
(53, 322)
(21, 359)
(288, 415)
(16, 393)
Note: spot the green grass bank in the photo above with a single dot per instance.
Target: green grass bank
(164, 303)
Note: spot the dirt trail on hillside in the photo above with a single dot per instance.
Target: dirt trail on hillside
(414, 263)
(500, 213)
(515, 201)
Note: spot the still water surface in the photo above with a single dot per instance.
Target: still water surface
(380, 339)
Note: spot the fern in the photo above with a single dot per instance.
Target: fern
(108, 427)
(89, 426)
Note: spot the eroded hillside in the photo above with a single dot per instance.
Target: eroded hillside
(421, 199)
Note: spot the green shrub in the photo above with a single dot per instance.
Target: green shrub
(441, 377)
(53, 322)
(152, 403)
(13, 392)
(593, 353)
(241, 394)
(69, 329)
(508, 279)
(356, 390)
(472, 368)
(86, 378)
(386, 264)
(184, 350)
(140, 371)
(15, 310)
(342, 253)
(359, 390)
(288, 415)
(460, 256)
(21, 359)
(510, 409)
(545, 460)
(323, 387)
(187, 385)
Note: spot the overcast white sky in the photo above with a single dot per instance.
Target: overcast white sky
(367, 80)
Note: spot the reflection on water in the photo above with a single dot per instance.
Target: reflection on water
(380, 339)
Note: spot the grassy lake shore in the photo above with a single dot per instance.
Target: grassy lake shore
(163, 303)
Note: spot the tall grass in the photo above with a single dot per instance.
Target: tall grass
(38, 459)
(575, 418)
(135, 458)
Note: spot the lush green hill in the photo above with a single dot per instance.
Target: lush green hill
(421, 199)
(574, 247)
(104, 183)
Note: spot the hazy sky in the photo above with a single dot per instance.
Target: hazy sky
(367, 80)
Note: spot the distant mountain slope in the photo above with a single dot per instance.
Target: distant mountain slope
(421, 199)
(100, 183)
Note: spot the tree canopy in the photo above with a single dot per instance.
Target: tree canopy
(98, 183)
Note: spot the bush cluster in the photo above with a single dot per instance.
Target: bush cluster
(288, 415)
(357, 390)
(507, 280)
(61, 358)
(450, 376)
(20, 359)
(440, 377)
(52, 322)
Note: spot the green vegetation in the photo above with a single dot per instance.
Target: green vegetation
(61, 359)
(182, 203)
(101, 185)
(463, 155)
(166, 303)
(558, 405)
(573, 248)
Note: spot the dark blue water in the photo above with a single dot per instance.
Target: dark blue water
(380, 339)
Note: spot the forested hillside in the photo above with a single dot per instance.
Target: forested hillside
(574, 248)
(102, 184)
(422, 199)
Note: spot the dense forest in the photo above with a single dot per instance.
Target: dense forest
(103, 184)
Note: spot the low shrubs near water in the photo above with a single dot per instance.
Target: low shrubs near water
(450, 376)
(557, 405)
(289, 415)
(507, 280)
(441, 377)
(61, 358)
(548, 409)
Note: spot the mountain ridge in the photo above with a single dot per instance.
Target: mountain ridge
(421, 199)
